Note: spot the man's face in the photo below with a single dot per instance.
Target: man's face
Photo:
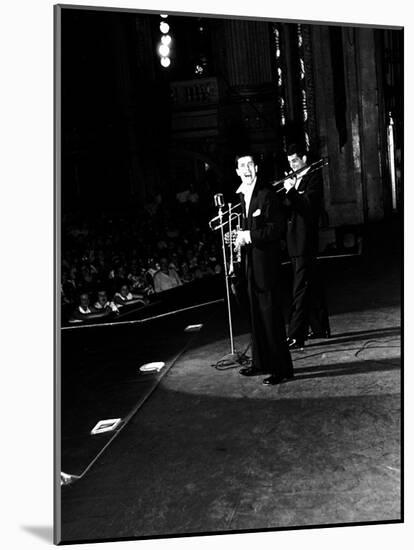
(102, 298)
(84, 300)
(247, 170)
(124, 290)
(295, 162)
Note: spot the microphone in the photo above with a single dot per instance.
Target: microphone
(219, 200)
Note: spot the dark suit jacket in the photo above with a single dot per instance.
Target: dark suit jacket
(303, 210)
(265, 221)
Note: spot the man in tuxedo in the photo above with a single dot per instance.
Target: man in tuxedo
(259, 241)
(304, 203)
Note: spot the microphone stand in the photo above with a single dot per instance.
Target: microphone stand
(234, 357)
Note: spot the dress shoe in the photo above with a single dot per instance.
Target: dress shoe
(293, 343)
(275, 379)
(249, 371)
(322, 334)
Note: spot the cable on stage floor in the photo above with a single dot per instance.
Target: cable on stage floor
(358, 350)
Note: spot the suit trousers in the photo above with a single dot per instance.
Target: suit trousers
(270, 352)
(308, 304)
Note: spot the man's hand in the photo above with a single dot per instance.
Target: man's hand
(230, 237)
(289, 183)
(242, 238)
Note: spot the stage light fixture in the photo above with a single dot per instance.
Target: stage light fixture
(164, 50)
(67, 479)
(164, 27)
(193, 328)
(166, 39)
(108, 425)
(155, 366)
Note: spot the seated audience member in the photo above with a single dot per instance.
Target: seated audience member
(186, 275)
(162, 246)
(124, 296)
(84, 311)
(174, 262)
(191, 259)
(102, 265)
(84, 307)
(172, 232)
(103, 304)
(73, 276)
(183, 196)
(198, 274)
(68, 289)
(117, 276)
(213, 261)
(118, 273)
(166, 278)
(153, 267)
(138, 281)
(218, 269)
(193, 196)
(87, 279)
(149, 283)
(205, 269)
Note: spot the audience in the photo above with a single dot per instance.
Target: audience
(166, 277)
(103, 304)
(124, 296)
(118, 259)
(83, 307)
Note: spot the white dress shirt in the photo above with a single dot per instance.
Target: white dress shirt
(247, 190)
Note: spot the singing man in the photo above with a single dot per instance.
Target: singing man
(259, 240)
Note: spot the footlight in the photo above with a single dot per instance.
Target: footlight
(67, 479)
(152, 367)
(104, 426)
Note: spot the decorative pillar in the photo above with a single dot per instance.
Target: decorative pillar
(370, 128)
(248, 117)
(248, 50)
(309, 87)
(338, 130)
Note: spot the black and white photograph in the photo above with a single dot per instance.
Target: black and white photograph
(229, 195)
(228, 242)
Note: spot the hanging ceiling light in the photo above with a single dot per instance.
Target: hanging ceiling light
(164, 50)
(164, 27)
(166, 39)
(164, 47)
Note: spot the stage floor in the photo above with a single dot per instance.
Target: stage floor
(212, 451)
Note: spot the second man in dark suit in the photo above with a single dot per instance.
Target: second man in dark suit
(304, 203)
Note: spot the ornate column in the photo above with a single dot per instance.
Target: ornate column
(248, 49)
(308, 87)
(369, 123)
(248, 118)
(338, 131)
